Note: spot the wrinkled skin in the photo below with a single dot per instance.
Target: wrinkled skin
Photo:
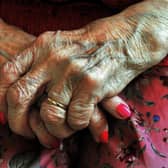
(10, 46)
(83, 67)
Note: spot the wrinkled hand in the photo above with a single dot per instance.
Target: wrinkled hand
(10, 46)
(31, 85)
(81, 68)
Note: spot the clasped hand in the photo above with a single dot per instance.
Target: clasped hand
(53, 88)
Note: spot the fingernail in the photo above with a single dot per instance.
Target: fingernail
(2, 118)
(123, 110)
(104, 137)
(56, 144)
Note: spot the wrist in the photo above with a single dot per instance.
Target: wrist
(139, 33)
(145, 32)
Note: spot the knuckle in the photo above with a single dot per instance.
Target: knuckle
(17, 95)
(9, 71)
(5, 69)
(75, 64)
(91, 79)
(44, 38)
(50, 116)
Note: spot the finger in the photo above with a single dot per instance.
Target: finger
(90, 90)
(98, 126)
(80, 110)
(20, 97)
(116, 107)
(84, 98)
(53, 115)
(37, 126)
(10, 72)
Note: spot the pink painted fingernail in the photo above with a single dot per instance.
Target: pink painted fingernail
(104, 137)
(56, 144)
(2, 118)
(123, 110)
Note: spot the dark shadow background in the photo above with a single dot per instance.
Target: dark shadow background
(37, 16)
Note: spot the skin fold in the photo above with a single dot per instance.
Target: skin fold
(82, 68)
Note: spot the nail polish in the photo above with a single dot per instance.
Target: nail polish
(104, 137)
(123, 110)
(56, 144)
(2, 118)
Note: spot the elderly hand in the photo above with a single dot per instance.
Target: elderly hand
(10, 46)
(78, 69)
